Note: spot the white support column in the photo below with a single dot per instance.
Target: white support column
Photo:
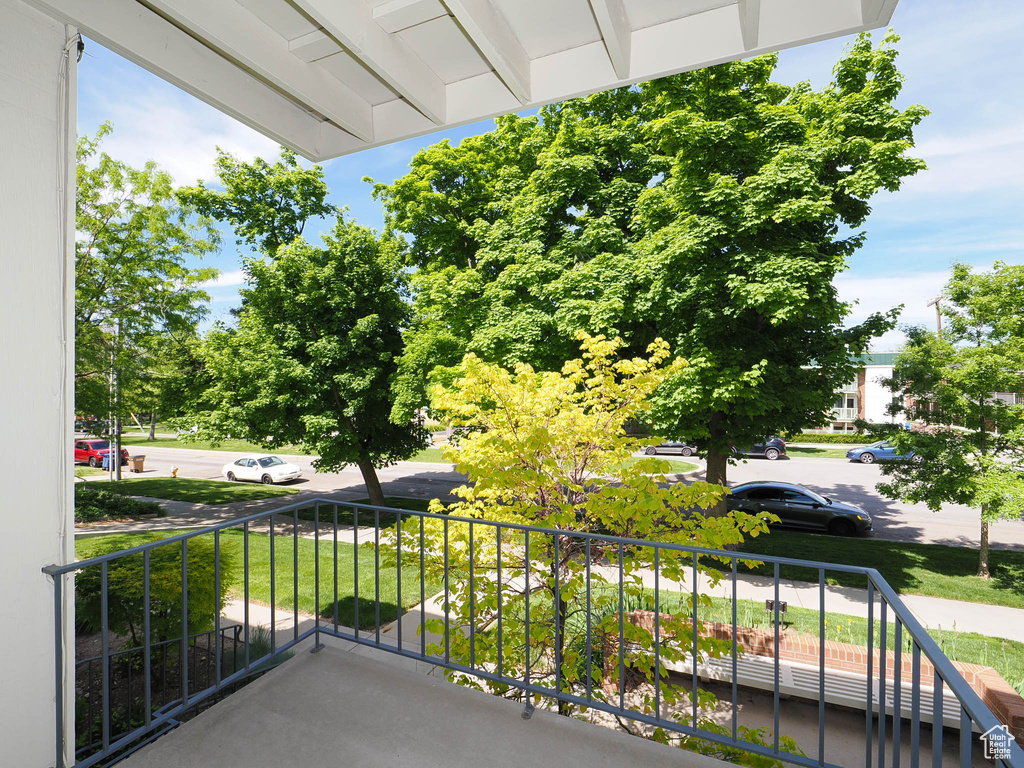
(37, 176)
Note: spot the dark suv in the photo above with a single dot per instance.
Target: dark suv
(771, 449)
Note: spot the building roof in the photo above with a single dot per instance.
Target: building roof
(331, 77)
(878, 358)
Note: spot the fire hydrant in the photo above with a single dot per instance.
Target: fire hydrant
(174, 471)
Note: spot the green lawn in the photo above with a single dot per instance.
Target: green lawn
(822, 452)
(87, 471)
(910, 568)
(232, 544)
(194, 490)
(430, 455)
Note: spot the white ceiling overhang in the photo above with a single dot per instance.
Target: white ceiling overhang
(331, 77)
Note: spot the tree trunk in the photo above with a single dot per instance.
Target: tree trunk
(152, 426)
(983, 557)
(716, 473)
(373, 489)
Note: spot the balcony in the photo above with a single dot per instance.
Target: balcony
(383, 695)
(844, 414)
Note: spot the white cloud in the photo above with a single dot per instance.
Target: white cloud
(881, 293)
(231, 279)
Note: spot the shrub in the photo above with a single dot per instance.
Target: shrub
(93, 503)
(125, 590)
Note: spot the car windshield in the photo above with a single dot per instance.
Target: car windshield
(269, 461)
(814, 496)
(99, 445)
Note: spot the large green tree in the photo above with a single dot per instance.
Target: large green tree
(315, 350)
(133, 279)
(972, 442)
(711, 208)
(311, 359)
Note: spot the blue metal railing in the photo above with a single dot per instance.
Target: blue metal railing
(511, 565)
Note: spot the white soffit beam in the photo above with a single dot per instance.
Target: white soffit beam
(496, 41)
(396, 15)
(613, 21)
(158, 46)
(876, 12)
(750, 22)
(231, 29)
(351, 23)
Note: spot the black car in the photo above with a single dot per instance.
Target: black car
(799, 507)
(771, 449)
(671, 446)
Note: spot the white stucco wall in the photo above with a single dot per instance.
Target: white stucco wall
(36, 365)
(877, 397)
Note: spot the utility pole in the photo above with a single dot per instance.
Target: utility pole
(938, 316)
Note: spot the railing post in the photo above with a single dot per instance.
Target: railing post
(317, 645)
(58, 666)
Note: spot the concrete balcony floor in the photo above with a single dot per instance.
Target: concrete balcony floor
(361, 708)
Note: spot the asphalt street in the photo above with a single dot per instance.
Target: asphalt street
(837, 478)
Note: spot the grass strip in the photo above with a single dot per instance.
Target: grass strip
(196, 490)
(934, 570)
(232, 541)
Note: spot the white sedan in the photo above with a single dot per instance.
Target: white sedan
(261, 468)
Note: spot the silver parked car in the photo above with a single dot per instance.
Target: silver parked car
(671, 446)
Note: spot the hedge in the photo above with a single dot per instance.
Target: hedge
(92, 503)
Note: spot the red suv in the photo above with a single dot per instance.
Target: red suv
(92, 452)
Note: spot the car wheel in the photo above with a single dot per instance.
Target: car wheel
(650, 450)
(917, 458)
(267, 480)
(771, 454)
(841, 527)
(231, 477)
(94, 462)
(686, 452)
(867, 458)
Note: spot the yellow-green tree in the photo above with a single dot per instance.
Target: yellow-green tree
(548, 449)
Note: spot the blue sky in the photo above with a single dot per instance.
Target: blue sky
(962, 60)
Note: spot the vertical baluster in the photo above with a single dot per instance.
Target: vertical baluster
(657, 632)
(497, 532)
(273, 591)
(556, 566)
(355, 579)
(398, 580)
(775, 734)
(316, 578)
(966, 737)
(821, 666)
(622, 634)
(184, 622)
(105, 651)
(447, 604)
(915, 705)
(735, 654)
(526, 565)
(883, 653)
(245, 586)
(897, 691)
(423, 595)
(216, 607)
(147, 643)
(58, 669)
(870, 694)
(295, 575)
(693, 626)
(376, 571)
(937, 718)
(355, 570)
(472, 602)
(590, 636)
